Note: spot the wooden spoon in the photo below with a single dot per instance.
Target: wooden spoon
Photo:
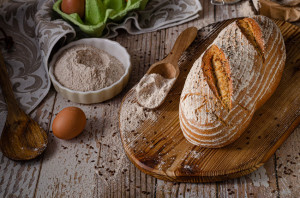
(22, 138)
(168, 67)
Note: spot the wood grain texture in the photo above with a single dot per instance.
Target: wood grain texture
(19, 179)
(287, 157)
(288, 166)
(161, 151)
(145, 49)
(260, 183)
(69, 166)
(172, 189)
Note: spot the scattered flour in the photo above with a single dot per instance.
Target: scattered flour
(87, 68)
(245, 9)
(132, 115)
(260, 177)
(152, 90)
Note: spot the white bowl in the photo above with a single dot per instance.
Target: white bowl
(111, 47)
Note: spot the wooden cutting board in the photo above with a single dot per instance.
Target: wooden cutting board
(158, 148)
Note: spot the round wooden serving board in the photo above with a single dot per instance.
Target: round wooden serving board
(158, 148)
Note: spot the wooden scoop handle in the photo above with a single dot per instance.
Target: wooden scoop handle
(7, 91)
(182, 43)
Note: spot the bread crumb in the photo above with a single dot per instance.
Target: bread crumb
(132, 115)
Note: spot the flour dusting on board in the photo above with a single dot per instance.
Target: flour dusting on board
(153, 89)
(260, 177)
(132, 115)
(244, 9)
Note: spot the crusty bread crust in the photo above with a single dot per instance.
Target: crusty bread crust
(253, 33)
(204, 119)
(216, 71)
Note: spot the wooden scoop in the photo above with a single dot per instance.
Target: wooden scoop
(22, 138)
(168, 67)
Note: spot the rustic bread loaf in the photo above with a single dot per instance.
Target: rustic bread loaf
(238, 72)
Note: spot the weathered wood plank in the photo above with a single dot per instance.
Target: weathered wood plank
(170, 189)
(225, 12)
(112, 162)
(260, 183)
(19, 178)
(241, 9)
(68, 166)
(208, 11)
(147, 182)
(125, 180)
(206, 16)
(288, 166)
(134, 49)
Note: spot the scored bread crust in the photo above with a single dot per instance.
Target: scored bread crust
(253, 77)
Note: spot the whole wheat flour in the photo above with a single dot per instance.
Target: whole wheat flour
(133, 115)
(87, 68)
(152, 90)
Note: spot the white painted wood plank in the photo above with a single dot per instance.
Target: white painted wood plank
(241, 9)
(207, 10)
(170, 189)
(58, 175)
(288, 166)
(68, 165)
(125, 180)
(260, 183)
(19, 178)
(134, 49)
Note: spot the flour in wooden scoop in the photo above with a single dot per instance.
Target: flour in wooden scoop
(152, 90)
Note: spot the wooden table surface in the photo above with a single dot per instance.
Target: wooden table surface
(95, 165)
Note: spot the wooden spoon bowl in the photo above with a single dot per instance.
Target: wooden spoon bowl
(168, 67)
(22, 138)
(166, 70)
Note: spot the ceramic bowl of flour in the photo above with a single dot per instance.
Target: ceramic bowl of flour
(91, 96)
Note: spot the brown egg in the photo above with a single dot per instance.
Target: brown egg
(69, 123)
(73, 6)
